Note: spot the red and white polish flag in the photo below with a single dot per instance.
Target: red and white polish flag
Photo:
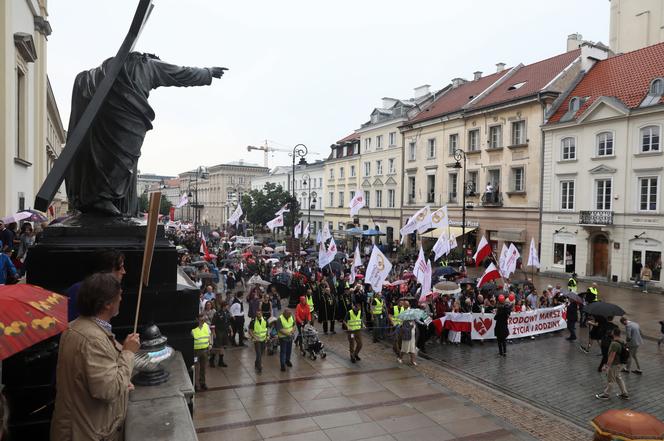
(490, 274)
(483, 251)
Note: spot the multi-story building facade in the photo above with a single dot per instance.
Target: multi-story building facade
(495, 120)
(55, 142)
(308, 189)
(603, 171)
(340, 176)
(24, 92)
(147, 181)
(635, 24)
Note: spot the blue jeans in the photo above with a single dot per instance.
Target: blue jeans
(285, 349)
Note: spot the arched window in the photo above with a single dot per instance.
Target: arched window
(568, 149)
(605, 144)
(656, 87)
(574, 104)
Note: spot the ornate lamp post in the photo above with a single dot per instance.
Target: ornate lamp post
(306, 181)
(299, 151)
(458, 155)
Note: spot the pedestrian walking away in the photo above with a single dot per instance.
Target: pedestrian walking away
(409, 334)
(354, 325)
(633, 339)
(502, 330)
(258, 334)
(237, 311)
(618, 356)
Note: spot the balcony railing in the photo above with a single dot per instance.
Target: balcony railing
(596, 217)
(494, 199)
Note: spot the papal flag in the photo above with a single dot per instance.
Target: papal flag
(326, 231)
(357, 261)
(423, 219)
(282, 210)
(183, 201)
(439, 218)
(276, 222)
(306, 231)
(442, 246)
(357, 202)
(377, 270)
(235, 217)
(298, 230)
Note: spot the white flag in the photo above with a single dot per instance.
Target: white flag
(423, 219)
(426, 282)
(183, 201)
(357, 261)
(319, 237)
(357, 202)
(420, 266)
(331, 250)
(453, 242)
(501, 259)
(322, 255)
(282, 210)
(533, 260)
(326, 231)
(510, 260)
(276, 222)
(298, 230)
(237, 214)
(409, 228)
(442, 246)
(439, 218)
(306, 231)
(377, 270)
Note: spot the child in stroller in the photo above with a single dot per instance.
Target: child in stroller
(272, 338)
(311, 343)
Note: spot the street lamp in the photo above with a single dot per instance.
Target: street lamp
(306, 181)
(202, 172)
(299, 151)
(458, 155)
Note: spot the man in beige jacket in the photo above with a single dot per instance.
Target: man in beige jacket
(94, 370)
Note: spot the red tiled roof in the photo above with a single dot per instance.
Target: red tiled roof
(533, 76)
(625, 77)
(454, 99)
(350, 137)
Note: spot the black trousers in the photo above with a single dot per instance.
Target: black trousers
(502, 346)
(331, 322)
(238, 329)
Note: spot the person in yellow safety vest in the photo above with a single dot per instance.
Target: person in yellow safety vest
(285, 331)
(353, 322)
(202, 344)
(396, 323)
(310, 301)
(378, 315)
(572, 284)
(258, 334)
(594, 293)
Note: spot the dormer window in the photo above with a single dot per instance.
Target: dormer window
(516, 86)
(574, 104)
(657, 87)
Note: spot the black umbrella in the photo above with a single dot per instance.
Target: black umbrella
(604, 309)
(467, 281)
(336, 267)
(277, 256)
(572, 296)
(198, 263)
(340, 256)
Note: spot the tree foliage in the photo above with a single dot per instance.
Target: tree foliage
(144, 204)
(260, 206)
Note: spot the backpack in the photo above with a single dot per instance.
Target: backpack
(624, 353)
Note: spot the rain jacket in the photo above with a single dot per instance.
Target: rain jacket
(302, 311)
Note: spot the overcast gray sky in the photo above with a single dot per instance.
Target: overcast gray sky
(302, 71)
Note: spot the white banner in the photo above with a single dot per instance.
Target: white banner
(240, 240)
(521, 324)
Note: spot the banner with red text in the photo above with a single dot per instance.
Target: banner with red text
(521, 324)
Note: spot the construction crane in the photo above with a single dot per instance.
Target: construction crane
(265, 148)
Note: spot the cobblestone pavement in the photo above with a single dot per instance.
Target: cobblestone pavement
(552, 373)
(375, 399)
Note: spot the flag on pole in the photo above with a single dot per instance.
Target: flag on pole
(276, 222)
(298, 230)
(357, 202)
(237, 214)
(319, 237)
(483, 251)
(282, 210)
(322, 255)
(533, 260)
(409, 228)
(377, 270)
(439, 218)
(420, 266)
(426, 283)
(501, 259)
(183, 201)
(326, 231)
(453, 242)
(491, 273)
(204, 249)
(442, 246)
(423, 219)
(357, 261)
(511, 260)
(306, 231)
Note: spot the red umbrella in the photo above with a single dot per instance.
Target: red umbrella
(28, 315)
(628, 425)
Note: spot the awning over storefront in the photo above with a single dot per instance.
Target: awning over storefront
(457, 231)
(509, 235)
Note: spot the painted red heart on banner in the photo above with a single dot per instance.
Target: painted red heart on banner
(482, 326)
(564, 314)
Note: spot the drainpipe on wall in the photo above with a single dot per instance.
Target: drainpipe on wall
(541, 189)
(403, 175)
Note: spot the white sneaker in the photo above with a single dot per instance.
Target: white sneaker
(414, 363)
(399, 360)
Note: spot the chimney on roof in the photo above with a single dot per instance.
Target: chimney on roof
(574, 41)
(500, 67)
(456, 82)
(591, 53)
(388, 102)
(421, 91)
(477, 75)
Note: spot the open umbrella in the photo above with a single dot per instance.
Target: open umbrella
(16, 217)
(268, 249)
(467, 281)
(372, 232)
(280, 249)
(35, 216)
(28, 315)
(447, 288)
(412, 314)
(572, 296)
(604, 309)
(277, 256)
(627, 425)
(215, 234)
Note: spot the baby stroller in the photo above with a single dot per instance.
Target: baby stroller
(311, 344)
(272, 343)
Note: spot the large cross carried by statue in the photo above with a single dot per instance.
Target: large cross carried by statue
(109, 118)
